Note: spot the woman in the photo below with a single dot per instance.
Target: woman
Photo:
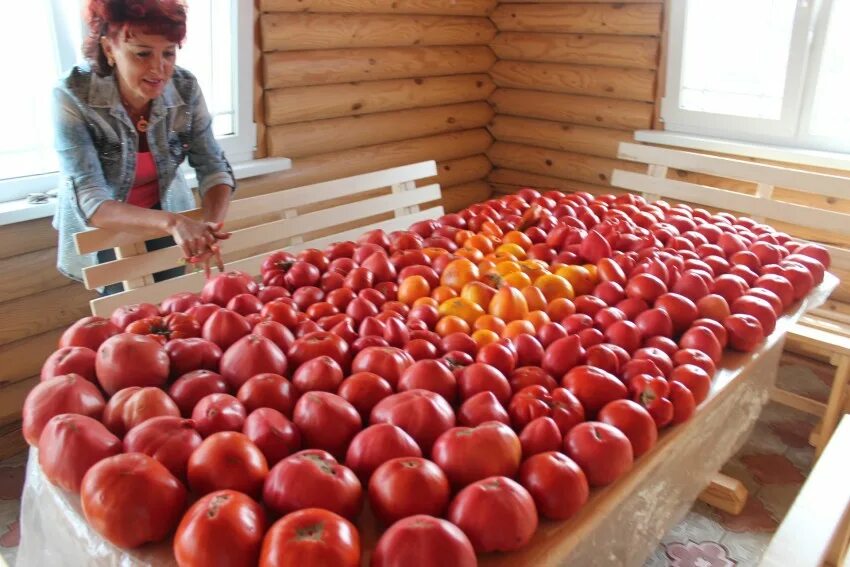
(124, 123)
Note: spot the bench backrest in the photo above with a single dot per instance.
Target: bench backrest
(285, 216)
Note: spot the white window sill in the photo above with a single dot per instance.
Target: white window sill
(798, 156)
(20, 211)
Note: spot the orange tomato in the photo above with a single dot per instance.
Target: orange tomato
(518, 238)
(593, 271)
(561, 308)
(484, 337)
(472, 254)
(486, 265)
(463, 308)
(491, 229)
(508, 304)
(432, 252)
(479, 293)
(518, 327)
(579, 278)
(514, 250)
(534, 268)
(534, 297)
(554, 286)
(426, 301)
(413, 288)
(518, 280)
(479, 242)
(507, 267)
(443, 293)
(458, 273)
(462, 236)
(451, 324)
(497, 257)
(490, 323)
(537, 318)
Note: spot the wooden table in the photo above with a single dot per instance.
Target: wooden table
(620, 525)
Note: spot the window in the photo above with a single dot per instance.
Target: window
(218, 50)
(770, 71)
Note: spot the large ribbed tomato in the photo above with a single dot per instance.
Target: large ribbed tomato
(423, 541)
(70, 445)
(311, 537)
(70, 393)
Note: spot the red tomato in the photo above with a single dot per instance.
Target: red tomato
(70, 444)
(227, 460)
(645, 286)
(364, 390)
(498, 356)
(222, 288)
(131, 360)
(311, 537)
(695, 379)
(218, 412)
(313, 478)
(422, 414)
(562, 355)
(423, 541)
(272, 433)
(407, 486)
(132, 406)
(316, 344)
(480, 377)
(89, 332)
(188, 390)
(539, 436)
(557, 484)
(593, 387)
(758, 308)
(132, 499)
(704, 340)
(326, 421)
(530, 376)
(224, 327)
(249, 356)
(126, 314)
(70, 393)
(186, 355)
(172, 326)
(601, 450)
(377, 444)
(469, 454)
(170, 440)
(222, 526)
(70, 360)
(322, 373)
(268, 390)
(634, 421)
(480, 408)
(745, 332)
(695, 357)
(387, 362)
(682, 310)
(430, 375)
(496, 514)
(683, 402)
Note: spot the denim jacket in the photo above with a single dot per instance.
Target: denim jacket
(97, 144)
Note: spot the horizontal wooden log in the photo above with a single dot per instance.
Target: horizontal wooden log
(506, 180)
(12, 440)
(22, 237)
(302, 104)
(335, 165)
(321, 136)
(632, 19)
(608, 82)
(639, 52)
(12, 399)
(460, 171)
(458, 197)
(292, 32)
(588, 169)
(455, 7)
(29, 274)
(586, 2)
(35, 314)
(602, 142)
(574, 109)
(25, 357)
(332, 66)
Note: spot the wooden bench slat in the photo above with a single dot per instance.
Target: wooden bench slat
(136, 266)
(154, 293)
(815, 336)
(779, 176)
(730, 200)
(101, 239)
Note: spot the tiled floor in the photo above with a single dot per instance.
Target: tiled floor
(773, 464)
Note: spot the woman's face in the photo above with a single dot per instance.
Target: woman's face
(143, 64)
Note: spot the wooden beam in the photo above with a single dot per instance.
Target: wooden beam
(798, 402)
(639, 52)
(631, 19)
(458, 197)
(333, 66)
(574, 109)
(25, 357)
(725, 493)
(292, 32)
(303, 104)
(606, 82)
(30, 273)
(35, 314)
(320, 136)
(602, 142)
(23, 237)
(553, 163)
(506, 180)
(454, 8)
(12, 398)
(460, 171)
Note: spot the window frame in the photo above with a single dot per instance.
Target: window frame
(806, 53)
(239, 146)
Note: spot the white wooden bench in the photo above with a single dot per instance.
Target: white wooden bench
(825, 330)
(283, 216)
(816, 530)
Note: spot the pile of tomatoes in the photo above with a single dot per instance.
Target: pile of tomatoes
(464, 377)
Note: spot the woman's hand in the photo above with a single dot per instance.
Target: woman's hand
(203, 249)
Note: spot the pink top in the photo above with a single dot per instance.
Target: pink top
(145, 191)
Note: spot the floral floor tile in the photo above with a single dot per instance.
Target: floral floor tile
(703, 554)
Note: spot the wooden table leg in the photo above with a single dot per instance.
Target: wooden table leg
(725, 493)
(835, 405)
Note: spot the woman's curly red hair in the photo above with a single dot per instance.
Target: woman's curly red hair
(112, 17)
